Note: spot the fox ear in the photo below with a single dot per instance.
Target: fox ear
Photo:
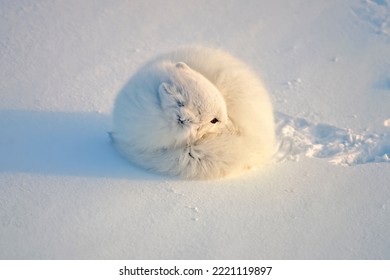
(167, 95)
(165, 88)
(182, 65)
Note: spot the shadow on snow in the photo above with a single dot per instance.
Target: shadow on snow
(61, 143)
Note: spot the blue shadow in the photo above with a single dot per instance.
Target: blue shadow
(61, 143)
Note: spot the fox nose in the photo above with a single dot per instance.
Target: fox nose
(200, 132)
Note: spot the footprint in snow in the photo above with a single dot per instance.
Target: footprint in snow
(375, 14)
(345, 147)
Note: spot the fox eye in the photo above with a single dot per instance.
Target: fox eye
(215, 120)
(180, 104)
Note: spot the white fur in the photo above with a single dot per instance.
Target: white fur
(195, 113)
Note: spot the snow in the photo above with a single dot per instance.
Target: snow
(66, 194)
(340, 146)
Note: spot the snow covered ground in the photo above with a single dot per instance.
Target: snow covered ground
(66, 194)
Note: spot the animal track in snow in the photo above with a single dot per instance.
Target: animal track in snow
(298, 136)
(375, 13)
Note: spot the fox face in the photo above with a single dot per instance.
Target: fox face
(192, 106)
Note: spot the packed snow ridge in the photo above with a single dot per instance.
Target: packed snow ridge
(298, 136)
(375, 13)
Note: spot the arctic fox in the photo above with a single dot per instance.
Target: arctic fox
(197, 113)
